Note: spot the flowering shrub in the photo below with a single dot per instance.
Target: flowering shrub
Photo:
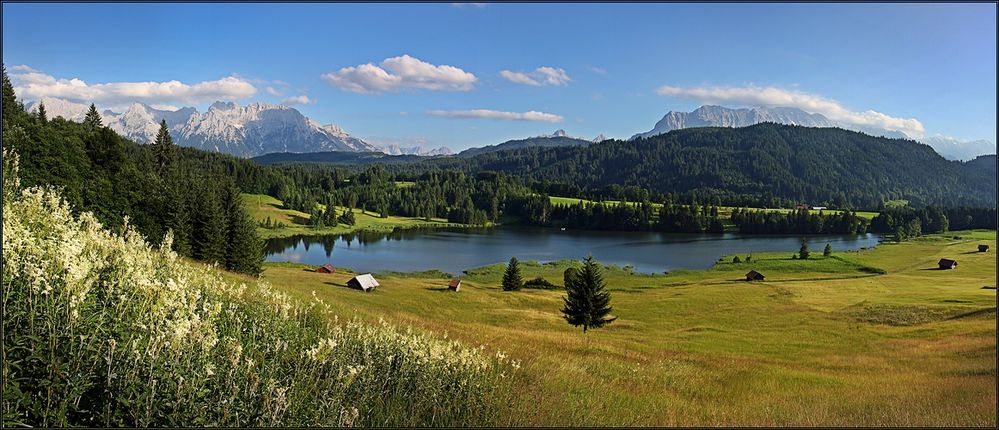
(100, 329)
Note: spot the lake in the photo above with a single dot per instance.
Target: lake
(455, 250)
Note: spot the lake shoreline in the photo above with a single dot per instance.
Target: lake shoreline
(456, 250)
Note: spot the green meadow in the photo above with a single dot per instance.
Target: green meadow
(876, 337)
(261, 206)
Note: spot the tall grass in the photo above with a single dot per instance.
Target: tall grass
(100, 329)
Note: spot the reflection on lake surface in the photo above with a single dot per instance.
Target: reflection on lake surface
(455, 250)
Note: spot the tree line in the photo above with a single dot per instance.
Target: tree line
(146, 186)
(800, 221)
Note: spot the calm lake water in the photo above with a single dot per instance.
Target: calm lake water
(455, 250)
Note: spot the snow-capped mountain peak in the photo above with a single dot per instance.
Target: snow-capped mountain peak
(247, 131)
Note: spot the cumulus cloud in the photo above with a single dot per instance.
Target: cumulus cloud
(772, 96)
(495, 114)
(272, 91)
(297, 100)
(398, 73)
(541, 76)
(32, 84)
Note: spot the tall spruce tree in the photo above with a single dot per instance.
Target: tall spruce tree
(43, 117)
(587, 302)
(244, 251)
(209, 232)
(177, 216)
(511, 278)
(93, 119)
(827, 251)
(11, 107)
(163, 150)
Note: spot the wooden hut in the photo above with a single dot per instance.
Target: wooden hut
(454, 284)
(754, 276)
(945, 263)
(983, 248)
(364, 282)
(326, 268)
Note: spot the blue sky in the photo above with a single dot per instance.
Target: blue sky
(609, 68)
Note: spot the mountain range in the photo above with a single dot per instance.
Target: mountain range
(260, 128)
(246, 131)
(719, 116)
(557, 139)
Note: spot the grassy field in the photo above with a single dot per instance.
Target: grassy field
(876, 337)
(261, 206)
(723, 211)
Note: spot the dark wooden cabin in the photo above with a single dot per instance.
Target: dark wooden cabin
(754, 276)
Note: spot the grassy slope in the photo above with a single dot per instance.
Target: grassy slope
(262, 206)
(821, 342)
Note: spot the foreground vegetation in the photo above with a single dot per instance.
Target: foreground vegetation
(101, 329)
(877, 337)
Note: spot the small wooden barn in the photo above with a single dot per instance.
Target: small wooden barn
(454, 284)
(754, 276)
(326, 268)
(983, 248)
(945, 263)
(364, 282)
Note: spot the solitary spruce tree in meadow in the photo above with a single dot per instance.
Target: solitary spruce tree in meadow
(163, 150)
(803, 252)
(587, 302)
(511, 278)
(828, 251)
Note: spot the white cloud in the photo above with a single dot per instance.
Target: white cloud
(597, 70)
(170, 108)
(519, 78)
(398, 73)
(297, 100)
(495, 114)
(541, 76)
(773, 96)
(273, 92)
(22, 68)
(32, 85)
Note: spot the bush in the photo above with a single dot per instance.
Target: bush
(736, 260)
(541, 283)
(104, 330)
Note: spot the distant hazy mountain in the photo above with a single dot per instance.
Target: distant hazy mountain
(558, 138)
(718, 116)
(953, 149)
(393, 149)
(599, 138)
(255, 129)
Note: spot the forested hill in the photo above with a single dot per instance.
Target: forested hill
(812, 165)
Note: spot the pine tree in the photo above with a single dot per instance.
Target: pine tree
(803, 251)
(177, 217)
(42, 116)
(93, 119)
(163, 150)
(244, 252)
(347, 217)
(828, 251)
(511, 278)
(736, 260)
(11, 107)
(587, 303)
(209, 227)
